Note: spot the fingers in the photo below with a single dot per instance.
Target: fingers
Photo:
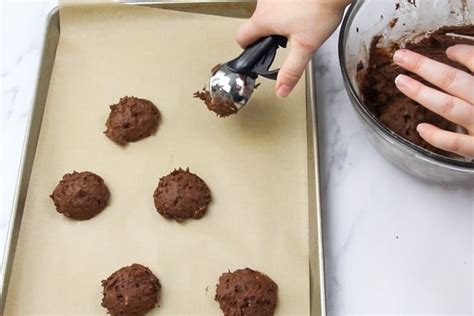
(457, 107)
(298, 56)
(455, 110)
(293, 67)
(451, 80)
(249, 32)
(463, 54)
(460, 144)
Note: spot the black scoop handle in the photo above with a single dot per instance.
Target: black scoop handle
(257, 58)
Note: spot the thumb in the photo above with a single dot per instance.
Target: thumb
(293, 67)
(249, 32)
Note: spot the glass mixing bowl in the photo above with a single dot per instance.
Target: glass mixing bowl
(368, 18)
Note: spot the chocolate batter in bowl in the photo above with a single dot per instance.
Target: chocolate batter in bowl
(371, 31)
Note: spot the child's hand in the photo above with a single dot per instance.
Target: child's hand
(306, 23)
(455, 104)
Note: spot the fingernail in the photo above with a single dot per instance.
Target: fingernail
(421, 128)
(283, 90)
(449, 50)
(400, 56)
(402, 82)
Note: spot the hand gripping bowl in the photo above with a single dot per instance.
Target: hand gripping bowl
(368, 18)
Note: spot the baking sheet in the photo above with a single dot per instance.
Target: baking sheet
(255, 164)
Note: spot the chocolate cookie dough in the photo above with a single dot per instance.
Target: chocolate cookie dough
(396, 111)
(80, 195)
(219, 106)
(246, 292)
(132, 290)
(181, 195)
(132, 119)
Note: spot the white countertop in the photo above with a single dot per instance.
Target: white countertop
(394, 245)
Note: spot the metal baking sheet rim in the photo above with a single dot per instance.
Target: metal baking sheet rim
(51, 38)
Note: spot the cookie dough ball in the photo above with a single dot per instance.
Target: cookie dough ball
(219, 106)
(246, 292)
(132, 119)
(132, 290)
(80, 195)
(181, 195)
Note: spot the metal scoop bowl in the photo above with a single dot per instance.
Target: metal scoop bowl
(234, 81)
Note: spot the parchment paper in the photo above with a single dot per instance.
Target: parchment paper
(255, 164)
